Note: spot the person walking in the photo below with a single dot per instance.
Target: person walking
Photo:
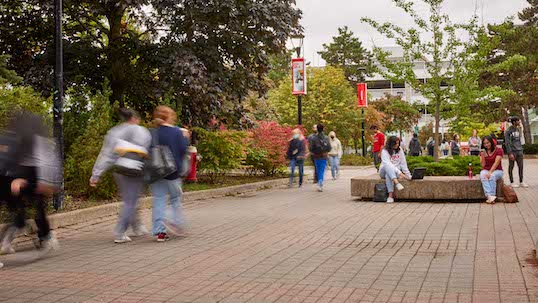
(379, 142)
(168, 135)
(335, 155)
(296, 154)
(514, 149)
(444, 147)
(319, 148)
(430, 146)
(492, 168)
(455, 145)
(128, 136)
(415, 149)
(309, 140)
(475, 143)
(393, 166)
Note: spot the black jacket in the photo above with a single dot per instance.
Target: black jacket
(296, 149)
(414, 147)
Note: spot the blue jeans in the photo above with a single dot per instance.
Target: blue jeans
(335, 165)
(490, 186)
(300, 164)
(320, 164)
(388, 173)
(161, 190)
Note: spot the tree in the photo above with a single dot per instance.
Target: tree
(7, 75)
(438, 53)
(347, 52)
(399, 115)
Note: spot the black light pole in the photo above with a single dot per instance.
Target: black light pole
(299, 97)
(58, 96)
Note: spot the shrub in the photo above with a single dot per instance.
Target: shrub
(273, 139)
(458, 166)
(22, 98)
(530, 149)
(220, 151)
(355, 160)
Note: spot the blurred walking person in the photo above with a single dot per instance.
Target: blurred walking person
(393, 166)
(415, 149)
(475, 143)
(170, 136)
(455, 145)
(296, 154)
(514, 149)
(319, 148)
(335, 155)
(430, 146)
(125, 148)
(379, 142)
(309, 139)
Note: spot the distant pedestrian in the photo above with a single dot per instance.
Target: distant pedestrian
(475, 143)
(514, 149)
(430, 146)
(335, 155)
(379, 142)
(319, 148)
(125, 145)
(309, 140)
(455, 145)
(415, 149)
(296, 154)
(393, 166)
(492, 169)
(445, 147)
(168, 135)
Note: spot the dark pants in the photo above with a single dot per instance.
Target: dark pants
(475, 153)
(519, 159)
(315, 169)
(300, 164)
(415, 154)
(377, 159)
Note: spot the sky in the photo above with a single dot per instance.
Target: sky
(321, 18)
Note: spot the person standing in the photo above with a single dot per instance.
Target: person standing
(309, 139)
(492, 168)
(296, 154)
(444, 147)
(379, 142)
(514, 149)
(319, 148)
(455, 145)
(166, 134)
(335, 155)
(430, 146)
(393, 166)
(475, 143)
(415, 149)
(137, 140)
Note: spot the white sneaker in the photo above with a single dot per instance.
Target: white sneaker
(524, 185)
(390, 200)
(140, 231)
(320, 188)
(399, 186)
(7, 249)
(514, 185)
(1, 264)
(491, 199)
(122, 239)
(51, 243)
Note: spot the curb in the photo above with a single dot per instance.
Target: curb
(92, 213)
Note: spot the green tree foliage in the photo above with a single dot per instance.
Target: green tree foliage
(279, 67)
(22, 98)
(346, 51)
(330, 100)
(434, 41)
(7, 75)
(399, 115)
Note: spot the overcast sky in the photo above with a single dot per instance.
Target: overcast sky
(321, 18)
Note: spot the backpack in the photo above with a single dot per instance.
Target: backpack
(381, 193)
(321, 145)
(9, 146)
(509, 194)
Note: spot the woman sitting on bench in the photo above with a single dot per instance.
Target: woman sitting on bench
(492, 168)
(393, 166)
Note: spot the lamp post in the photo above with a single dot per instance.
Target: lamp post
(297, 43)
(58, 96)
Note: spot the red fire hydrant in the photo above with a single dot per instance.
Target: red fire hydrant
(194, 160)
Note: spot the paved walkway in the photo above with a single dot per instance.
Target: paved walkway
(299, 245)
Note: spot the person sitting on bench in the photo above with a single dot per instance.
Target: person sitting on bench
(393, 166)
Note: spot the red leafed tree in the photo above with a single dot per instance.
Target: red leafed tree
(272, 139)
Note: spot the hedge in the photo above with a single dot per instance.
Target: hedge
(457, 166)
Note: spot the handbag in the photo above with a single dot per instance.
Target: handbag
(131, 158)
(381, 193)
(161, 162)
(509, 194)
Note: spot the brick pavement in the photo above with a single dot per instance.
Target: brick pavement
(296, 245)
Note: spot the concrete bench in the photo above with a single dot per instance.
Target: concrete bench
(430, 189)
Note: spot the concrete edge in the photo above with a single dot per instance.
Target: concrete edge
(112, 209)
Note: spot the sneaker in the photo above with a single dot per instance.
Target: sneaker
(514, 185)
(399, 186)
(162, 237)
(122, 239)
(1, 264)
(49, 244)
(140, 231)
(524, 185)
(320, 188)
(491, 199)
(390, 200)
(7, 249)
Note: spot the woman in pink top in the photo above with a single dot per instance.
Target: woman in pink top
(492, 169)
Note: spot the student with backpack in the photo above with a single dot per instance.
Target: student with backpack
(125, 148)
(319, 147)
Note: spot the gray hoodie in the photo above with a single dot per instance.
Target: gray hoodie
(131, 133)
(512, 137)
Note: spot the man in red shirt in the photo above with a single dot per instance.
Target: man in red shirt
(379, 142)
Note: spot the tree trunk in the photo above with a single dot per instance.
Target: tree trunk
(356, 145)
(116, 58)
(437, 125)
(526, 125)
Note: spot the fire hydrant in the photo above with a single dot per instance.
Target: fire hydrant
(194, 160)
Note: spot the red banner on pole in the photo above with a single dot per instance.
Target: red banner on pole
(362, 92)
(298, 76)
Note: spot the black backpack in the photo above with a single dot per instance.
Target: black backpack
(381, 193)
(321, 144)
(9, 154)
